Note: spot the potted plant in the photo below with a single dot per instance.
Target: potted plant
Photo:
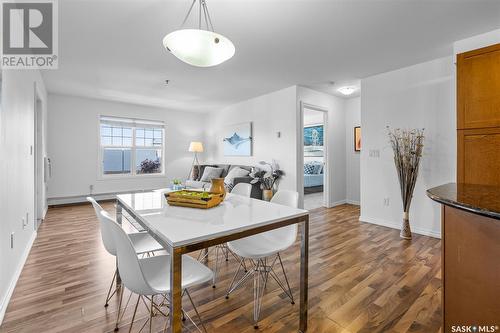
(407, 146)
(150, 166)
(176, 184)
(267, 177)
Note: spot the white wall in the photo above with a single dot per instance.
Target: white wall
(269, 114)
(73, 143)
(335, 140)
(419, 96)
(352, 119)
(16, 174)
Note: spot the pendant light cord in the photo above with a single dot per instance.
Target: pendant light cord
(206, 15)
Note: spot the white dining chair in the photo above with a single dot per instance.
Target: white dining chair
(243, 189)
(142, 242)
(263, 250)
(150, 276)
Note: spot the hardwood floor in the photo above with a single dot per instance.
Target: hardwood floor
(362, 278)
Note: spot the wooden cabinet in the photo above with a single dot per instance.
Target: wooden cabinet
(479, 156)
(471, 270)
(478, 116)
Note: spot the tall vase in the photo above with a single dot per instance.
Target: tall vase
(267, 195)
(405, 226)
(218, 186)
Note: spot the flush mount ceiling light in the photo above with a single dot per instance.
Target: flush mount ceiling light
(201, 47)
(348, 90)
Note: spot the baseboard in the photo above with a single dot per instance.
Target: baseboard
(394, 225)
(17, 273)
(352, 202)
(336, 203)
(45, 210)
(83, 198)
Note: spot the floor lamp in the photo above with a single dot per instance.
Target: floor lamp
(195, 147)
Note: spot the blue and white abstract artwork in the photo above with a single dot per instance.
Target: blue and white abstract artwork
(313, 140)
(238, 140)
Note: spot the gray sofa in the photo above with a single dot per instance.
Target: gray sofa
(196, 183)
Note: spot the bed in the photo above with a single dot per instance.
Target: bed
(313, 177)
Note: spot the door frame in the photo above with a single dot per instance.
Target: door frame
(300, 153)
(39, 177)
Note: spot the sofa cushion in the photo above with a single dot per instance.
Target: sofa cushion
(233, 173)
(198, 171)
(210, 173)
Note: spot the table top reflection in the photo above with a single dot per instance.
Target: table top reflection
(179, 226)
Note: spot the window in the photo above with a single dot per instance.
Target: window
(131, 146)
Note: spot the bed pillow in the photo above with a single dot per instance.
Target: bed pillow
(210, 173)
(309, 168)
(318, 168)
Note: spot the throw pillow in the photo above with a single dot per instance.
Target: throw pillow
(234, 173)
(309, 169)
(210, 173)
(195, 173)
(318, 167)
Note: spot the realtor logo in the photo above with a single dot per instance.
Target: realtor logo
(29, 34)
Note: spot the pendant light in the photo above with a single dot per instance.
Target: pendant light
(200, 47)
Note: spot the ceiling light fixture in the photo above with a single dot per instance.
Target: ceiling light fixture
(348, 90)
(201, 47)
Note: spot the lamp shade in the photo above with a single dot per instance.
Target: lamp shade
(199, 48)
(196, 147)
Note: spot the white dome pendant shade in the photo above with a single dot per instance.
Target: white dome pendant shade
(201, 48)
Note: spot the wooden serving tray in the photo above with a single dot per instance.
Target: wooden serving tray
(194, 199)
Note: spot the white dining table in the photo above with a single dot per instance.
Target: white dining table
(181, 230)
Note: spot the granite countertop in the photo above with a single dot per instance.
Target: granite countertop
(479, 199)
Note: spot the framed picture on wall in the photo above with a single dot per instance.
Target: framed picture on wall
(238, 140)
(313, 141)
(357, 138)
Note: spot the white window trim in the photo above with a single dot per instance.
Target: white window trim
(132, 174)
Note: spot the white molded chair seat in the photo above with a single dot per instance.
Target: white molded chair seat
(156, 271)
(243, 189)
(263, 245)
(270, 242)
(144, 243)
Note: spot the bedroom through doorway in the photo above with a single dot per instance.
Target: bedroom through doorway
(314, 158)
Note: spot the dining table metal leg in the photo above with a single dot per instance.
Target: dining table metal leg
(304, 263)
(119, 221)
(175, 291)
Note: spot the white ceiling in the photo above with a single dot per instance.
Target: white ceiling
(112, 49)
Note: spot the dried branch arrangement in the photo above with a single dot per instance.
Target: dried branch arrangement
(407, 146)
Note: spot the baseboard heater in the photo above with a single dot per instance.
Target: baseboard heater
(76, 199)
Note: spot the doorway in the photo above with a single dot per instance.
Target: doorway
(38, 160)
(314, 156)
